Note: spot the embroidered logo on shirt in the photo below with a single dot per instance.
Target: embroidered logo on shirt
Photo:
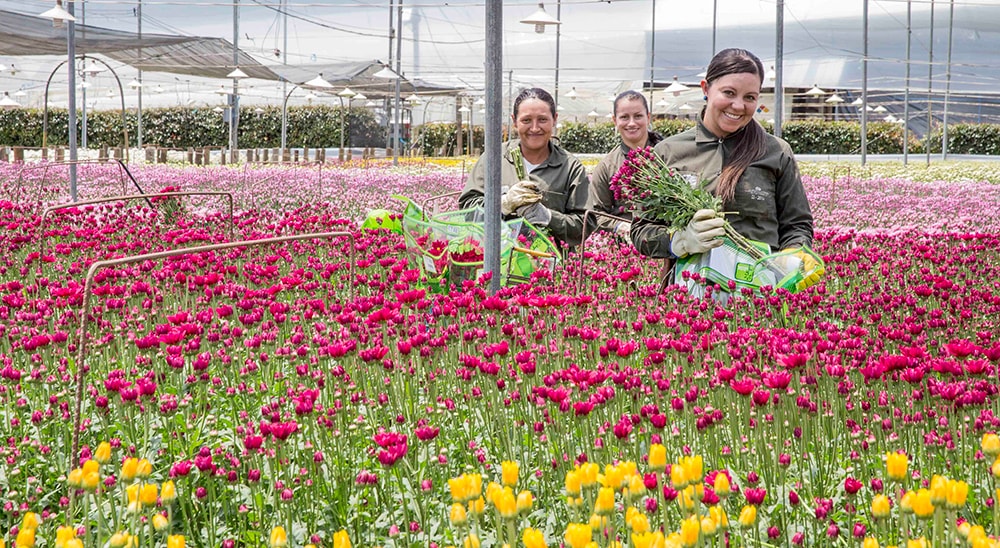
(759, 194)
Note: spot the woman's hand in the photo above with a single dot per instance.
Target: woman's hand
(703, 233)
(521, 194)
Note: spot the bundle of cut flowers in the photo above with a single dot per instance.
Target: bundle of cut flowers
(660, 193)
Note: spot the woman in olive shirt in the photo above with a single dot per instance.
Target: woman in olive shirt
(754, 173)
(631, 115)
(542, 183)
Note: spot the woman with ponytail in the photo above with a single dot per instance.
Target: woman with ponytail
(753, 172)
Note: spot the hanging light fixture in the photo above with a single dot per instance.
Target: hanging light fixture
(676, 87)
(593, 113)
(815, 91)
(386, 73)
(135, 84)
(318, 82)
(857, 102)
(770, 75)
(221, 91)
(236, 74)
(540, 19)
(879, 109)
(360, 97)
(346, 93)
(572, 94)
(7, 103)
(836, 99)
(463, 109)
(413, 98)
(58, 15)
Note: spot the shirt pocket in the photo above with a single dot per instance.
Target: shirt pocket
(755, 194)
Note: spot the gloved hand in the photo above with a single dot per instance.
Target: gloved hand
(536, 214)
(700, 235)
(521, 194)
(809, 264)
(622, 230)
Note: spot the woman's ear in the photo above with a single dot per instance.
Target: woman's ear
(704, 88)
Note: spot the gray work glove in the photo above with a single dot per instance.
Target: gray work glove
(536, 214)
(703, 233)
(622, 230)
(521, 194)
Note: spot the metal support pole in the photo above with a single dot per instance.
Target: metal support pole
(652, 51)
(83, 75)
(930, 83)
(284, 82)
(906, 85)
(947, 80)
(779, 56)
(715, 20)
(555, 91)
(399, 76)
(138, 132)
(864, 84)
(492, 148)
(234, 113)
(71, 63)
(385, 101)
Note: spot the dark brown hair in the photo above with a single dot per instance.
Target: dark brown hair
(630, 95)
(534, 93)
(751, 141)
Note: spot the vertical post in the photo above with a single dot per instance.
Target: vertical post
(392, 38)
(399, 76)
(864, 83)
(71, 54)
(652, 52)
(930, 83)
(715, 21)
(779, 56)
(284, 82)
(555, 90)
(491, 148)
(947, 81)
(138, 133)
(83, 75)
(234, 112)
(906, 85)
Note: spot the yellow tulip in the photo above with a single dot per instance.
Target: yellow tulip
(341, 540)
(869, 542)
(160, 522)
(748, 516)
(477, 506)
(895, 466)
(492, 490)
(509, 471)
(643, 540)
(63, 534)
(75, 477)
(636, 487)
(964, 528)
(708, 526)
(605, 503)
(168, 492)
(457, 515)
(30, 520)
(686, 498)
(995, 468)
(939, 490)
(91, 466)
(118, 540)
(721, 486)
(614, 477)
(589, 472)
(91, 481)
(657, 457)
(693, 467)
(690, 531)
(148, 494)
(278, 538)
(880, 506)
(175, 541)
(957, 493)
(525, 500)
(74, 543)
(573, 482)
(25, 538)
(975, 534)
(639, 523)
(906, 503)
(678, 477)
(533, 538)
(459, 488)
(578, 535)
(917, 543)
(471, 541)
(143, 469)
(597, 523)
(718, 515)
(506, 503)
(923, 507)
(129, 468)
(103, 452)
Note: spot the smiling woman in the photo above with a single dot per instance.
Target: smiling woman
(541, 182)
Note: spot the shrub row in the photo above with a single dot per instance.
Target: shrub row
(316, 126)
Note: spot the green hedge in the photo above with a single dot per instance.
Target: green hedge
(317, 126)
(440, 139)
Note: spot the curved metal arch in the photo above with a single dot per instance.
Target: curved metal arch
(121, 95)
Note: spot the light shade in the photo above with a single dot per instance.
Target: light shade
(464, 108)
(857, 102)
(593, 113)
(834, 99)
(815, 91)
(237, 74)
(880, 109)
(58, 14)
(662, 103)
(135, 84)
(310, 96)
(318, 82)
(676, 87)
(685, 106)
(540, 19)
(159, 89)
(19, 93)
(218, 109)
(370, 104)
(346, 92)
(359, 96)
(413, 98)
(386, 73)
(480, 101)
(7, 102)
(572, 94)
(770, 74)
(221, 91)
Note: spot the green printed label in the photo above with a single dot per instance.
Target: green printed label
(744, 272)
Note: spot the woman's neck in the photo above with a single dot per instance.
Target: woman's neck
(535, 157)
(632, 145)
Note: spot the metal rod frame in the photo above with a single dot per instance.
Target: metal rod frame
(45, 170)
(583, 244)
(84, 313)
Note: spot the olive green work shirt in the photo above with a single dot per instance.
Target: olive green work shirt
(602, 198)
(561, 179)
(770, 201)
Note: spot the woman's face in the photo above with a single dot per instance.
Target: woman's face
(732, 102)
(534, 122)
(632, 122)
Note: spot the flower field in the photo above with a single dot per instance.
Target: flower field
(314, 392)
